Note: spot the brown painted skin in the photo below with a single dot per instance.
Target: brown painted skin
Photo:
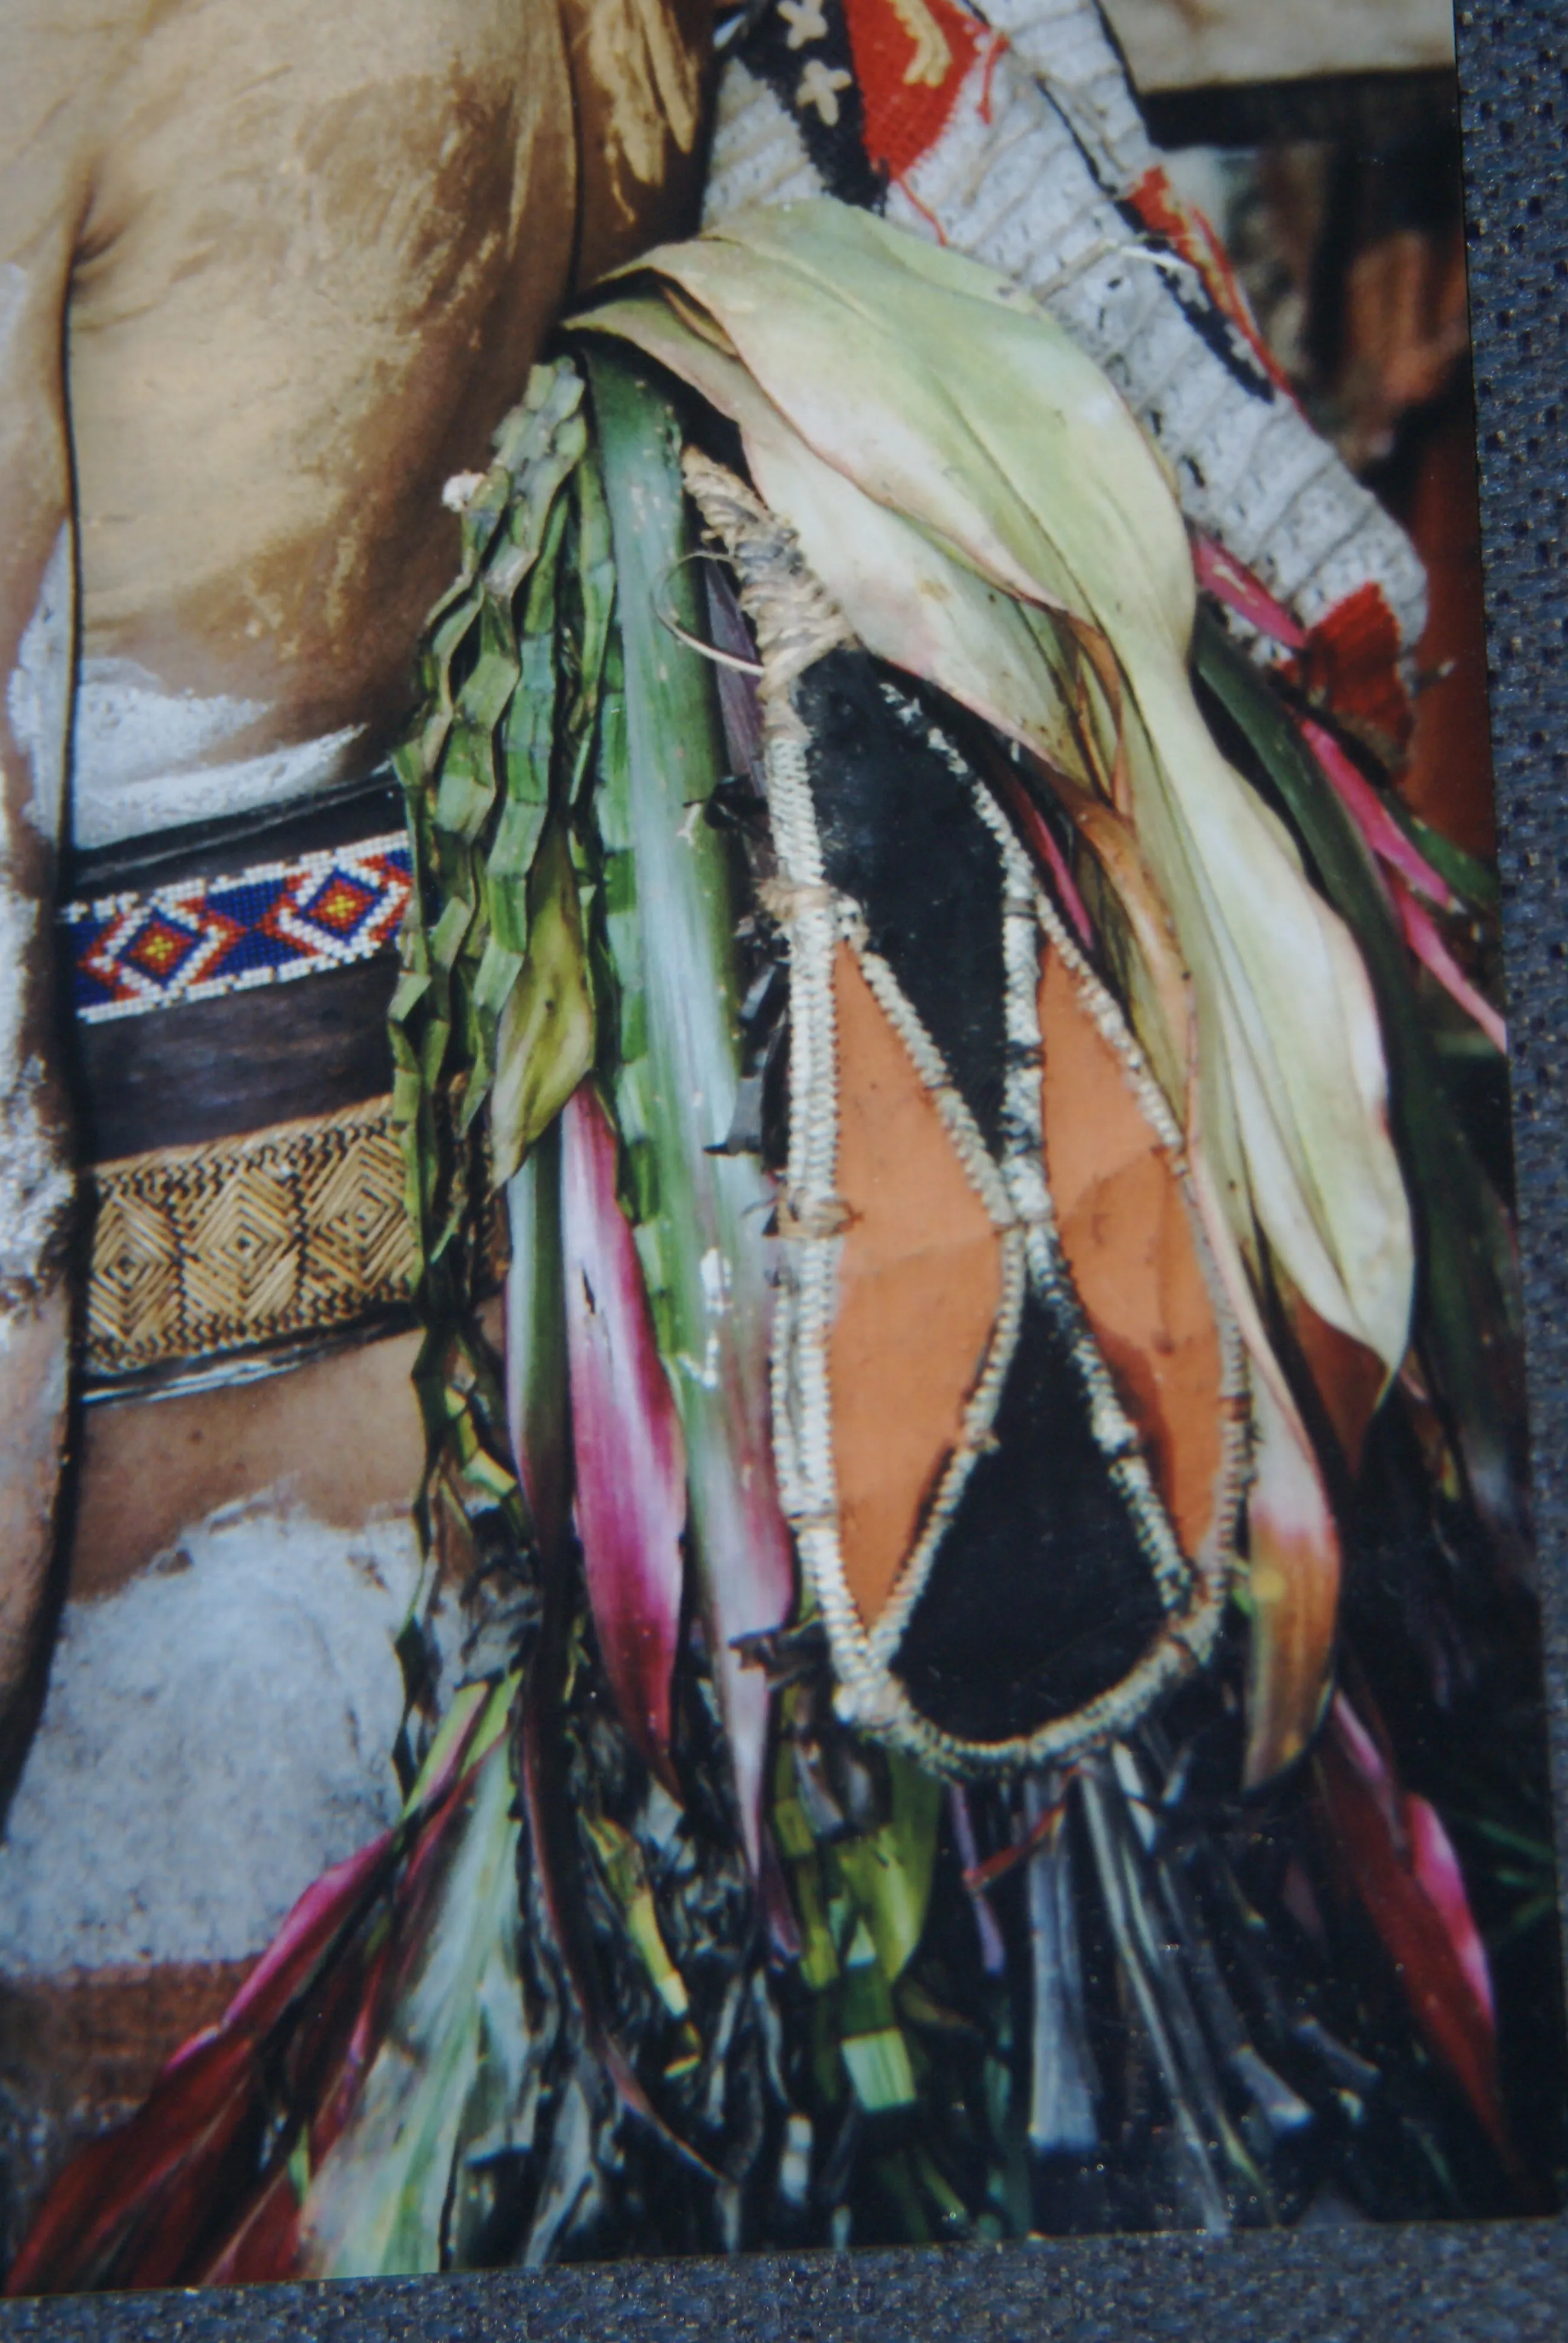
(284, 266)
(341, 1437)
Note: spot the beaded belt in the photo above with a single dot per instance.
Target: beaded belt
(246, 1181)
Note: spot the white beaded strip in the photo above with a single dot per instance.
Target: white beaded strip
(187, 912)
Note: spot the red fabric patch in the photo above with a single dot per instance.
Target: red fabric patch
(891, 40)
(1187, 232)
(1353, 659)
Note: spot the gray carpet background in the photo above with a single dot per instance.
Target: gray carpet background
(1496, 2283)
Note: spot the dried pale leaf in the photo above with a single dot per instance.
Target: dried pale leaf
(909, 600)
(1469, 1327)
(1293, 1585)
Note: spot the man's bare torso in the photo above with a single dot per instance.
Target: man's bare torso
(270, 273)
(321, 247)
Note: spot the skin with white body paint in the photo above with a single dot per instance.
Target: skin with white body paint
(284, 268)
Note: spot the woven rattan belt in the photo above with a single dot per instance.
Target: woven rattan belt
(277, 1236)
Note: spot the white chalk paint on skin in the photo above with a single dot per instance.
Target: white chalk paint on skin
(143, 760)
(131, 728)
(39, 695)
(216, 1733)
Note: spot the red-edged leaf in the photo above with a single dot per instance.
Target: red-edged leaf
(1373, 819)
(1436, 1866)
(364, 2040)
(1421, 934)
(1231, 582)
(267, 2241)
(122, 2180)
(628, 1449)
(1403, 1872)
(132, 2206)
(305, 1937)
(204, 2172)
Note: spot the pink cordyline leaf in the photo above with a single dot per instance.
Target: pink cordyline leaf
(1233, 583)
(1436, 1866)
(1405, 1873)
(266, 2242)
(629, 1456)
(1361, 1747)
(311, 1926)
(1422, 935)
(1373, 818)
(1431, 1850)
(326, 1907)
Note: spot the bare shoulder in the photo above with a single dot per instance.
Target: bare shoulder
(56, 59)
(640, 75)
(322, 243)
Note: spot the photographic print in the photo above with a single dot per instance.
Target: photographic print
(764, 1469)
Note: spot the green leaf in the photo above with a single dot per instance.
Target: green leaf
(477, 785)
(450, 2075)
(625, 1875)
(872, 2042)
(1472, 880)
(1468, 1321)
(888, 1870)
(699, 1217)
(546, 1041)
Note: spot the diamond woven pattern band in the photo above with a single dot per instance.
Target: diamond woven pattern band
(295, 1232)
